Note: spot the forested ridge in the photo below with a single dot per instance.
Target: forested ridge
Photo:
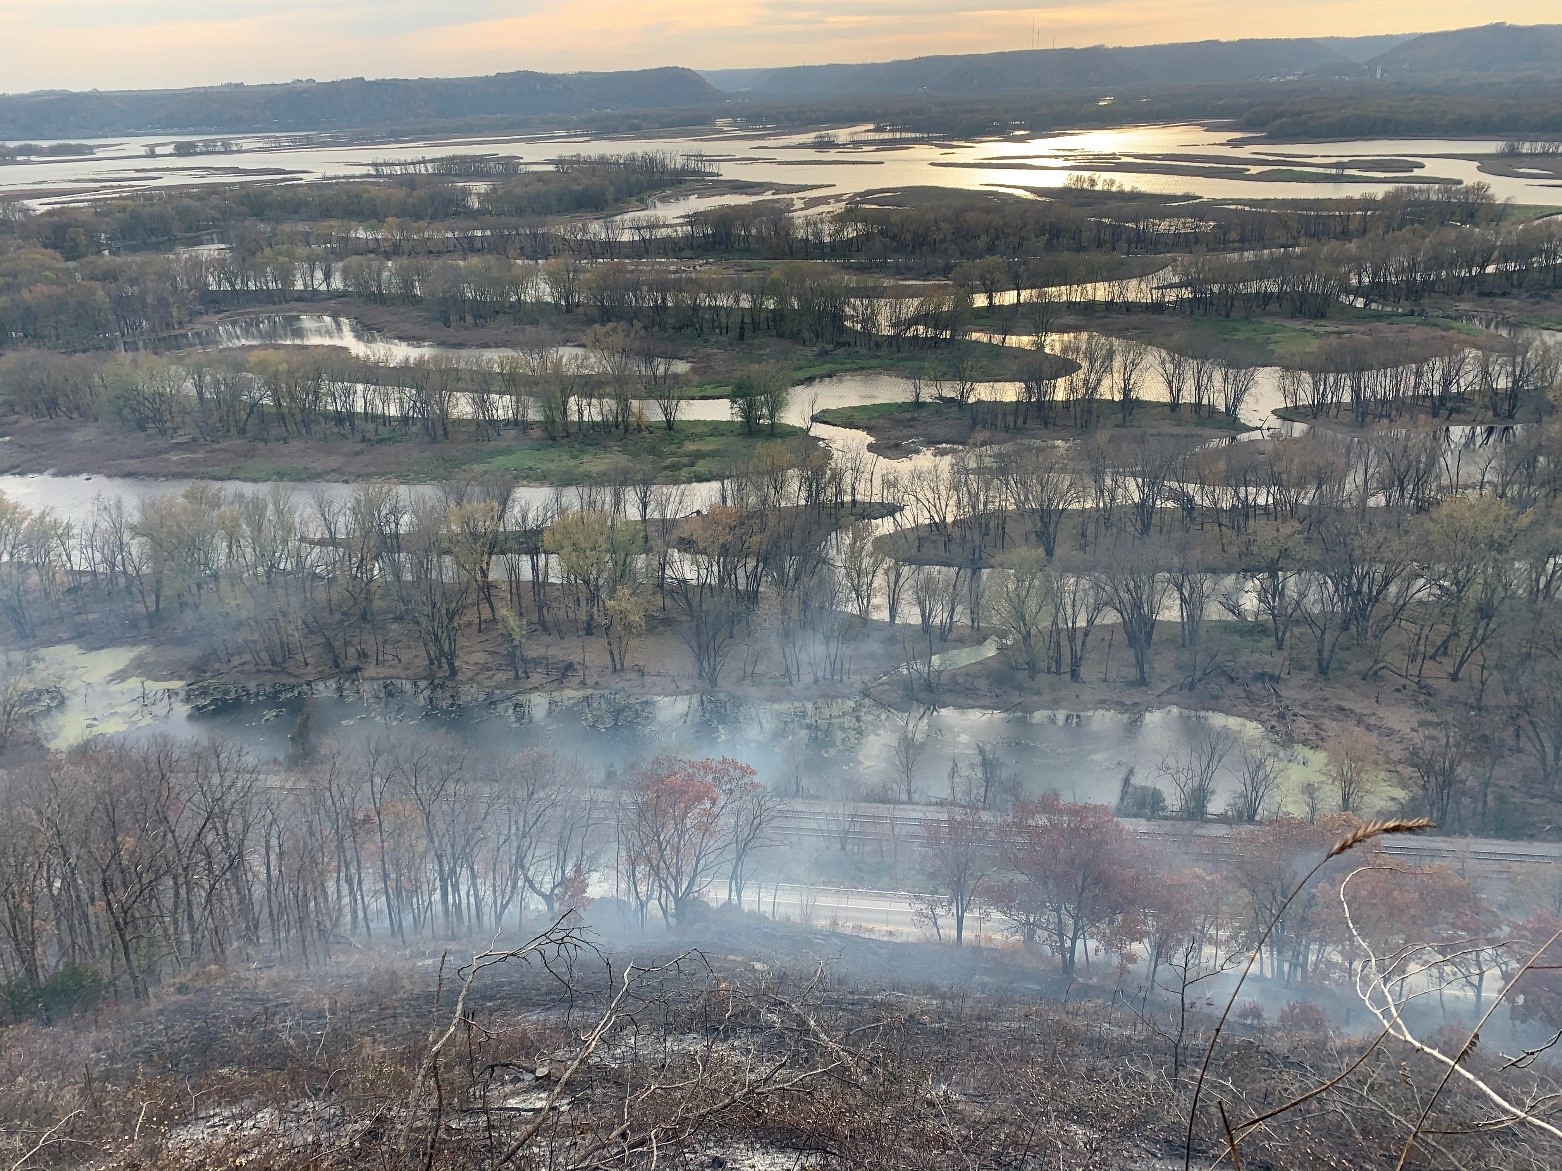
(1500, 49)
(1381, 85)
(352, 104)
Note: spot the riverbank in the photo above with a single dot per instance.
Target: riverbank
(900, 430)
(1409, 413)
(1232, 671)
(1274, 339)
(401, 333)
(1234, 675)
(696, 450)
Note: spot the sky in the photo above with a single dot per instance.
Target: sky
(109, 44)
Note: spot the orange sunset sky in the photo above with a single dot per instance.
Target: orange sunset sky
(84, 44)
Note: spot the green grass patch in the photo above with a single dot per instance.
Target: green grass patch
(1273, 341)
(1305, 175)
(261, 471)
(695, 450)
(990, 362)
(860, 416)
(810, 366)
(718, 360)
(704, 391)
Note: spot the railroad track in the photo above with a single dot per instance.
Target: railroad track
(913, 826)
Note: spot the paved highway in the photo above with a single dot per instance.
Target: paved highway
(893, 913)
(909, 824)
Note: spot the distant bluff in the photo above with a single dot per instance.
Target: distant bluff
(351, 104)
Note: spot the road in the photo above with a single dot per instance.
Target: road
(856, 824)
(889, 913)
(893, 914)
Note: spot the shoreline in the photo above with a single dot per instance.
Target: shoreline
(696, 451)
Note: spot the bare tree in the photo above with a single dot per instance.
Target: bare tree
(1440, 765)
(753, 816)
(1350, 773)
(1258, 779)
(959, 859)
(1135, 590)
(1195, 772)
(907, 753)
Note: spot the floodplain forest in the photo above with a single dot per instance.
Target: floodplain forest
(548, 737)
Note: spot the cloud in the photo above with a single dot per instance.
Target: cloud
(139, 43)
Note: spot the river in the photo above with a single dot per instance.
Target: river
(74, 498)
(840, 746)
(805, 747)
(835, 170)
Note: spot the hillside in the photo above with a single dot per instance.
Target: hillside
(1495, 48)
(1203, 62)
(351, 104)
(1501, 49)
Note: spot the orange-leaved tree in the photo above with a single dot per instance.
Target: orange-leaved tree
(1074, 875)
(677, 828)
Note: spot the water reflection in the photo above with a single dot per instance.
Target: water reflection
(813, 748)
(841, 170)
(320, 329)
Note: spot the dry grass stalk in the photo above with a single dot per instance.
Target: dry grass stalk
(1376, 829)
(1362, 833)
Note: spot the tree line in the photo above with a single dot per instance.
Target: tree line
(128, 863)
(620, 381)
(72, 285)
(385, 576)
(124, 863)
(1071, 880)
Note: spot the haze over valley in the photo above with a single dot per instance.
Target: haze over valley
(780, 588)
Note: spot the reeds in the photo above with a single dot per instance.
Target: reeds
(1366, 832)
